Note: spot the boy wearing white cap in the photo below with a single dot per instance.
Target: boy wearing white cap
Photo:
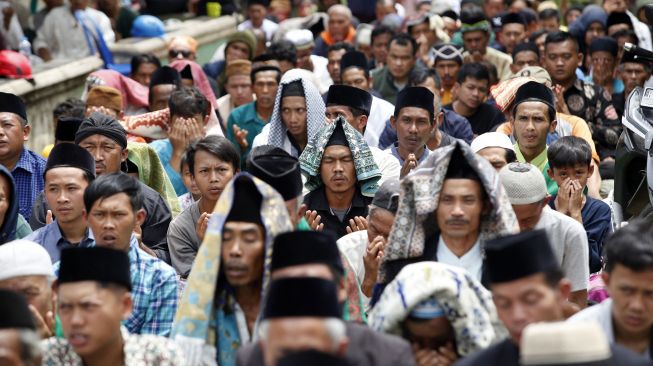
(526, 190)
(25, 267)
(496, 148)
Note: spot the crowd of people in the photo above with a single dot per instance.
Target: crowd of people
(395, 183)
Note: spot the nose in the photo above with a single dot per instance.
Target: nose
(457, 210)
(338, 167)
(97, 155)
(235, 249)
(76, 318)
(62, 197)
(636, 303)
(213, 176)
(413, 128)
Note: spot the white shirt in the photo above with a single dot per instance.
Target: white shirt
(268, 27)
(14, 34)
(64, 37)
(321, 73)
(472, 261)
(380, 112)
(352, 247)
(388, 165)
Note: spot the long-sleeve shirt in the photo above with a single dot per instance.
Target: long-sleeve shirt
(28, 175)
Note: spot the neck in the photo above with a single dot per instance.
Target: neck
(460, 245)
(206, 205)
(530, 154)
(264, 112)
(566, 84)
(340, 200)
(111, 355)
(248, 298)
(434, 142)
(638, 342)
(301, 141)
(462, 109)
(74, 231)
(10, 161)
(400, 81)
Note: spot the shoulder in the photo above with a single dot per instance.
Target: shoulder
(624, 356)
(559, 221)
(598, 206)
(502, 351)
(57, 351)
(363, 337)
(592, 313)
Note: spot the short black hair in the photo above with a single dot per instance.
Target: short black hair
(537, 34)
(631, 246)
(219, 146)
(472, 14)
(263, 68)
(525, 47)
(473, 70)
(188, 102)
(548, 14)
(551, 112)
(340, 46)
(511, 157)
(145, 58)
(404, 39)
(559, 37)
(381, 30)
(110, 184)
(626, 33)
(569, 151)
(71, 107)
(420, 75)
(283, 50)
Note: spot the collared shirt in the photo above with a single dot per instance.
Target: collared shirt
(28, 175)
(542, 163)
(394, 149)
(246, 118)
(139, 350)
(472, 261)
(51, 238)
(592, 103)
(317, 201)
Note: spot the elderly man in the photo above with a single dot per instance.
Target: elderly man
(339, 29)
(94, 294)
(25, 165)
(25, 267)
(228, 280)
(19, 342)
(305, 45)
(527, 193)
(182, 48)
(476, 31)
(496, 148)
(239, 88)
(342, 176)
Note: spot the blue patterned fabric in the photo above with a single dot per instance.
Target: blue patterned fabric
(28, 175)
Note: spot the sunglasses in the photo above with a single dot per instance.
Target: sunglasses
(176, 53)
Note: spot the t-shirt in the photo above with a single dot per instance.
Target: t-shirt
(485, 119)
(183, 240)
(569, 242)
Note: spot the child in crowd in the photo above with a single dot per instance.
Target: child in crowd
(570, 166)
(193, 194)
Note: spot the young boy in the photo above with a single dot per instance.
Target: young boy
(569, 166)
(212, 162)
(193, 194)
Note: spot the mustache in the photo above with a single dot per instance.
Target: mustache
(457, 222)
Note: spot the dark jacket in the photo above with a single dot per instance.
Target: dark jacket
(366, 348)
(317, 201)
(8, 226)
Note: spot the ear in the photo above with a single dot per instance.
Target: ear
(513, 68)
(124, 154)
(206, 118)
(606, 278)
(342, 290)
(362, 123)
(553, 126)
(590, 170)
(140, 217)
(127, 304)
(439, 119)
(549, 172)
(26, 131)
(564, 286)
(393, 122)
(580, 59)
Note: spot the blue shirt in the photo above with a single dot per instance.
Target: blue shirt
(163, 148)
(246, 118)
(50, 238)
(28, 175)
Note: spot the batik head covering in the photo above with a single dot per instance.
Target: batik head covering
(194, 326)
(420, 192)
(367, 172)
(314, 110)
(466, 303)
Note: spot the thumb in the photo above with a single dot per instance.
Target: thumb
(48, 217)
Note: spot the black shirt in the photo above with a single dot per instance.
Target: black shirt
(485, 119)
(317, 201)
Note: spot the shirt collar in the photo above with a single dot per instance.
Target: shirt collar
(539, 161)
(320, 202)
(57, 235)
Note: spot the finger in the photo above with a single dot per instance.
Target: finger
(302, 210)
(48, 217)
(320, 227)
(349, 230)
(318, 218)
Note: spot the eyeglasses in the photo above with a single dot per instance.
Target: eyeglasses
(176, 53)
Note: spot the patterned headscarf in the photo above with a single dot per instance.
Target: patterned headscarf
(194, 324)
(367, 172)
(466, 303)
(420, 192)
(314, 111)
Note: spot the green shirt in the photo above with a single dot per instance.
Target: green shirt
(542, 163)
(246, 118)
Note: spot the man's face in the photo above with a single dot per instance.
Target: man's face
(64, 192)
(380, 47)
(524, 59)
(603, 65)
(113, 221)
(159, 96)
(424, 29)
(632, 300)
(333, 66)
(400, 60)
(304, 59)
(256, 14)
(337, 169)
(243, 244)
(459, 208)
(633, 74)
(493, 8)
(594, 30)
(355, 77)
(473, 92)
(144, 73)
(476, 41)
(107, 153)
(550, 24)
(91, 315)
(236, 51)
(265, 88)
(338, 26)
(211, 175)
(572, 15)
(529, 215)
(12, 135)
(379, 223)
(294, 115)
(181, 51)
(526, 301)
(189, 183)
(5, 197)
(578, 172)
(512, 34)
(36, 289)
(413, 126)
(616, 28)
(531, 125)
(10, 348)
(287, 335)
(561, 60)
(334, 111)
(495, 155)
(448, 72)
(429, 334)
(240, 89)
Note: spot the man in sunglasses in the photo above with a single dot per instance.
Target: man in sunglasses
(182, 48)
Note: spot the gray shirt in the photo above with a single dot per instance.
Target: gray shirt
(183, 240)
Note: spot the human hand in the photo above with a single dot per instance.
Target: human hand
(45, 326)
(195, 129)
(241, 137)
(409, 164)
(313, 220)
(446, 355)
(177, 134)
(424, 357)
(372, 262)
(358, 223)
(575, 199)
(202, 224)
(562, 200)
(561, 104)
(48, 217)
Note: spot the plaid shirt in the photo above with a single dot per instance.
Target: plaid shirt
(28, 175)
